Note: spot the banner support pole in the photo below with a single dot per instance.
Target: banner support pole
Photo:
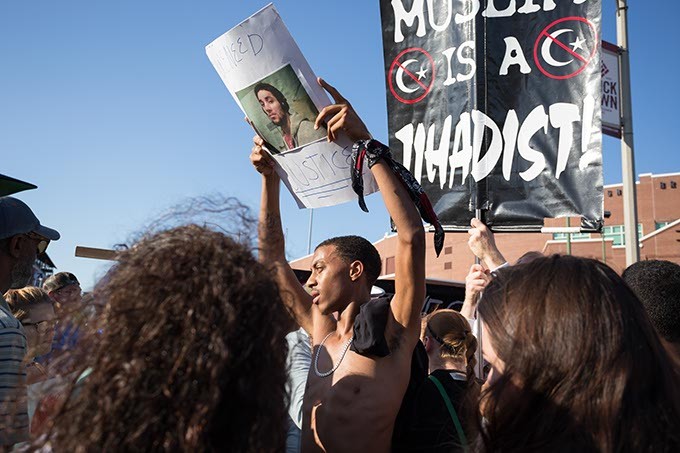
(630, 217)
(309, 231)
(568, 236)
(478, 216)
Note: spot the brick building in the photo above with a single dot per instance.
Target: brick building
(658, 229)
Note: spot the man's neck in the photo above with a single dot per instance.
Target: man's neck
(285, 127)
(347, 316)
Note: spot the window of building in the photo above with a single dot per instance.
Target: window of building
(574, 236)
(389, 265)
(674, 185)
(448, 250)
(658, 225)
(617, 233)
(447, 266)
(619, 192)
(609, 193)
(662, 185)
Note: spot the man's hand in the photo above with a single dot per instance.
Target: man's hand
(483, 245)
(343, 117)
(476, 280)
(262, 162)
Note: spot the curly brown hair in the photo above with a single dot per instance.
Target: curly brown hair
(190, 356)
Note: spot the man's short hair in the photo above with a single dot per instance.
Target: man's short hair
(275, 91)
(356, 248)
(657, 284)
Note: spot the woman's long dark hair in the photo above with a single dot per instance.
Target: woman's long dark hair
(191, 355)
(583, 368)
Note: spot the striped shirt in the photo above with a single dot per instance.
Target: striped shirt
(13, 398)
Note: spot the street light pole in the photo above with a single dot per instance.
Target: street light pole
(627, 156)
(309, 231)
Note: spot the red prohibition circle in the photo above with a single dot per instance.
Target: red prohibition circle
(391, 72)
(544, 34)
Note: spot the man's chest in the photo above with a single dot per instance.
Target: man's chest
(359, 384)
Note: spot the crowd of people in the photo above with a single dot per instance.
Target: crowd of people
(193, 341)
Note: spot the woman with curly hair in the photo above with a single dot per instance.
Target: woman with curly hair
(575, 363)
(190, 356)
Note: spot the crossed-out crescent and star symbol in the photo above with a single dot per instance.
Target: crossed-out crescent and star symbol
(413, 84)
(562, 50)
(574, 39)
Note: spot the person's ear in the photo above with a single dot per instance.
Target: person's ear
(16, 243)
(427, 343)
(356, 270)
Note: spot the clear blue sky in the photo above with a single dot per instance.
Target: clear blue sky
(114, 111)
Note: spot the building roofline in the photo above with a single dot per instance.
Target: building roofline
(300, 258)
(665, 175)
(386, 236)
(652, 175)
(578, 241)
(430, 280)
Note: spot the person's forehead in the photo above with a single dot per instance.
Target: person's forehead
(39, 312)
(265, 94)
(67, 289)
(324, 253)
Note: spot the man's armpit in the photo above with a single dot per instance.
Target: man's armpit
(395, 336)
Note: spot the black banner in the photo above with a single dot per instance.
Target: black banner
(495, 105)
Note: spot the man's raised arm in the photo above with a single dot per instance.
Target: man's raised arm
(410, 255)
(409, 275)
(271, 243)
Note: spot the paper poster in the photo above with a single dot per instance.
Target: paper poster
(496, 106)
(274, 86)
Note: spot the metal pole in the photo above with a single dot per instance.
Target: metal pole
(478, 216)
(309, 231)
(627, 157)
(568, 237)
(479, 371)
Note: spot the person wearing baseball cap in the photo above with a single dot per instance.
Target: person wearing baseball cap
(22, 238)
(64, 289)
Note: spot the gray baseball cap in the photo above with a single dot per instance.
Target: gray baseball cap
(17, 218)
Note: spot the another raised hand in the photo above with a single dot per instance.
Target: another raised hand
(483, 245)
(342, 117)
(262, 162)
(475, 282)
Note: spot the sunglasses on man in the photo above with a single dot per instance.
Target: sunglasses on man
(42, 241)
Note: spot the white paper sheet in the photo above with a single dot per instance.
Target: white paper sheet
(272, 83)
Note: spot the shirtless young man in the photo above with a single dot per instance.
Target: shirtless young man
(351, 400)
